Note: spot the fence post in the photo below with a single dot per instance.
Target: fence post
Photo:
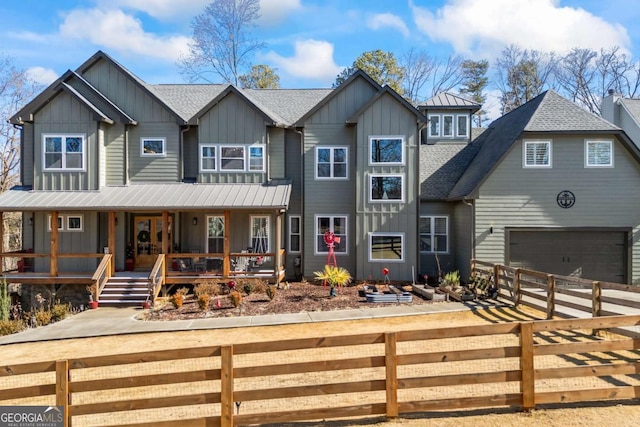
(596, 302)
(517, 298)
(62, 389)
(473, 268)
(390, 362)
(496, 276)
(527, 384)
(226, 386)
(551, 296)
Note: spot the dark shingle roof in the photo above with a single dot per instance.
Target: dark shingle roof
(289, 104)
(548, 112)
(441, 165)
(186, 99)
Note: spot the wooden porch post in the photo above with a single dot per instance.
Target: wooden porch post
(226, 262)
(165, 240)
(53, 262)
(278, 259)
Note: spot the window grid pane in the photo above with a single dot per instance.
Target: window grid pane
(599, 153)
(434, 234)
(538, 153)
(336, 224)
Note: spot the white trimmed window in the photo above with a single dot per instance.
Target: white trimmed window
(386, 188)
(447, 126)
(462, 126)
(337, 224)
(598, 154)
(537, 154)
(388, 150)
(388, 247)
(256, 158)
(232, 158)
(208, 158)
(215, 234)
(154, 147)
(295, 233)
(63, 152)
(434, 125)
(434, 234)
(259, 241)
(68, 222)
(331, 163)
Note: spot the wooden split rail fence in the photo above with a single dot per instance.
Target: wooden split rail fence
(370, 374)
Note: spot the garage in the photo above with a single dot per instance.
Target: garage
(591, 254)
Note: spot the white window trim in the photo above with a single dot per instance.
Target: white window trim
(381, 233)
(206, 243)
(148, 138)
(316, 234)
(201, 158)
(64, 222)
(437, 134)
(244, 157)
(525, 143)
(432, 219)
(248, 161)
(453, 126)
(268, 236)
(332, 177)
(400, 137)
(299, 234)
(377, 175)
(458, 134)
(63, 136)
(586, 153)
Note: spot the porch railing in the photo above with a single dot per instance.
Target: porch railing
(157, 277)
(101, 275)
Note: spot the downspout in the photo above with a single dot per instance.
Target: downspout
(473, 227)
(181, 152)
(126, 154)
(302, 185)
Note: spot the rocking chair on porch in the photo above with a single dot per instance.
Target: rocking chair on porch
(241, 263)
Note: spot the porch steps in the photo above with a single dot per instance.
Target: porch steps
(124, 292)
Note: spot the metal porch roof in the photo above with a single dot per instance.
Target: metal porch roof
(152, 197)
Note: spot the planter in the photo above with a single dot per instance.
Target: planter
(129, 265)
(93, 304)
(146, 305)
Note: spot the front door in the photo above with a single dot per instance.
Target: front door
(148, 238)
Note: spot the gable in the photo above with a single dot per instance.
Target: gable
(232, 120)
(344, 102)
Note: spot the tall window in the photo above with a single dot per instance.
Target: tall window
(256, 158)
(208, 158)
(387, 150)
(260, 234)
(462, 126)
(537, 154)
(386, 188)
(152, 146)
(215, 234)
(434, 234)
(434, 125)
(336, 224)
(599, 153)
(331, 163)
(294, 233)
(447, 126)
(63, 152)
(386, 247)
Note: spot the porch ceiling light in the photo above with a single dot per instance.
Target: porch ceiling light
(194, 221)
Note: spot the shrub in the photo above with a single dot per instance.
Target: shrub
(248, 287)
(5, 301)
(208, 287)
(43, 317)
(8, 327)
(203, 301)
(236, 298)
(259, 286)
(271, 292)
(60, 311)
(177, 299)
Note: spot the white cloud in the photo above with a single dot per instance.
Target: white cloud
(387, 20)
(484, 28)
(312, 59)
(161, 9)
(118, 31)
(41, 75)
(275, 11)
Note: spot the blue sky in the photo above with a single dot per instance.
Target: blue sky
(308, 41)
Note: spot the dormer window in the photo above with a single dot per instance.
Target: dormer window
(434, 125)
(462, 126)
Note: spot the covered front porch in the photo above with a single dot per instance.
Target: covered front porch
(171, 243)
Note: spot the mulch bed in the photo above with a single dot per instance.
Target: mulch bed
(298, 297)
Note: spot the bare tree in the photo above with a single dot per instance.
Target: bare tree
(16, 89)
(221, 43)
(576, 75)
(522, 75)
(426, 76)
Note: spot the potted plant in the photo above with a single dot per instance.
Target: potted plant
(334, 276)
(93, 289)
(129, 264)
